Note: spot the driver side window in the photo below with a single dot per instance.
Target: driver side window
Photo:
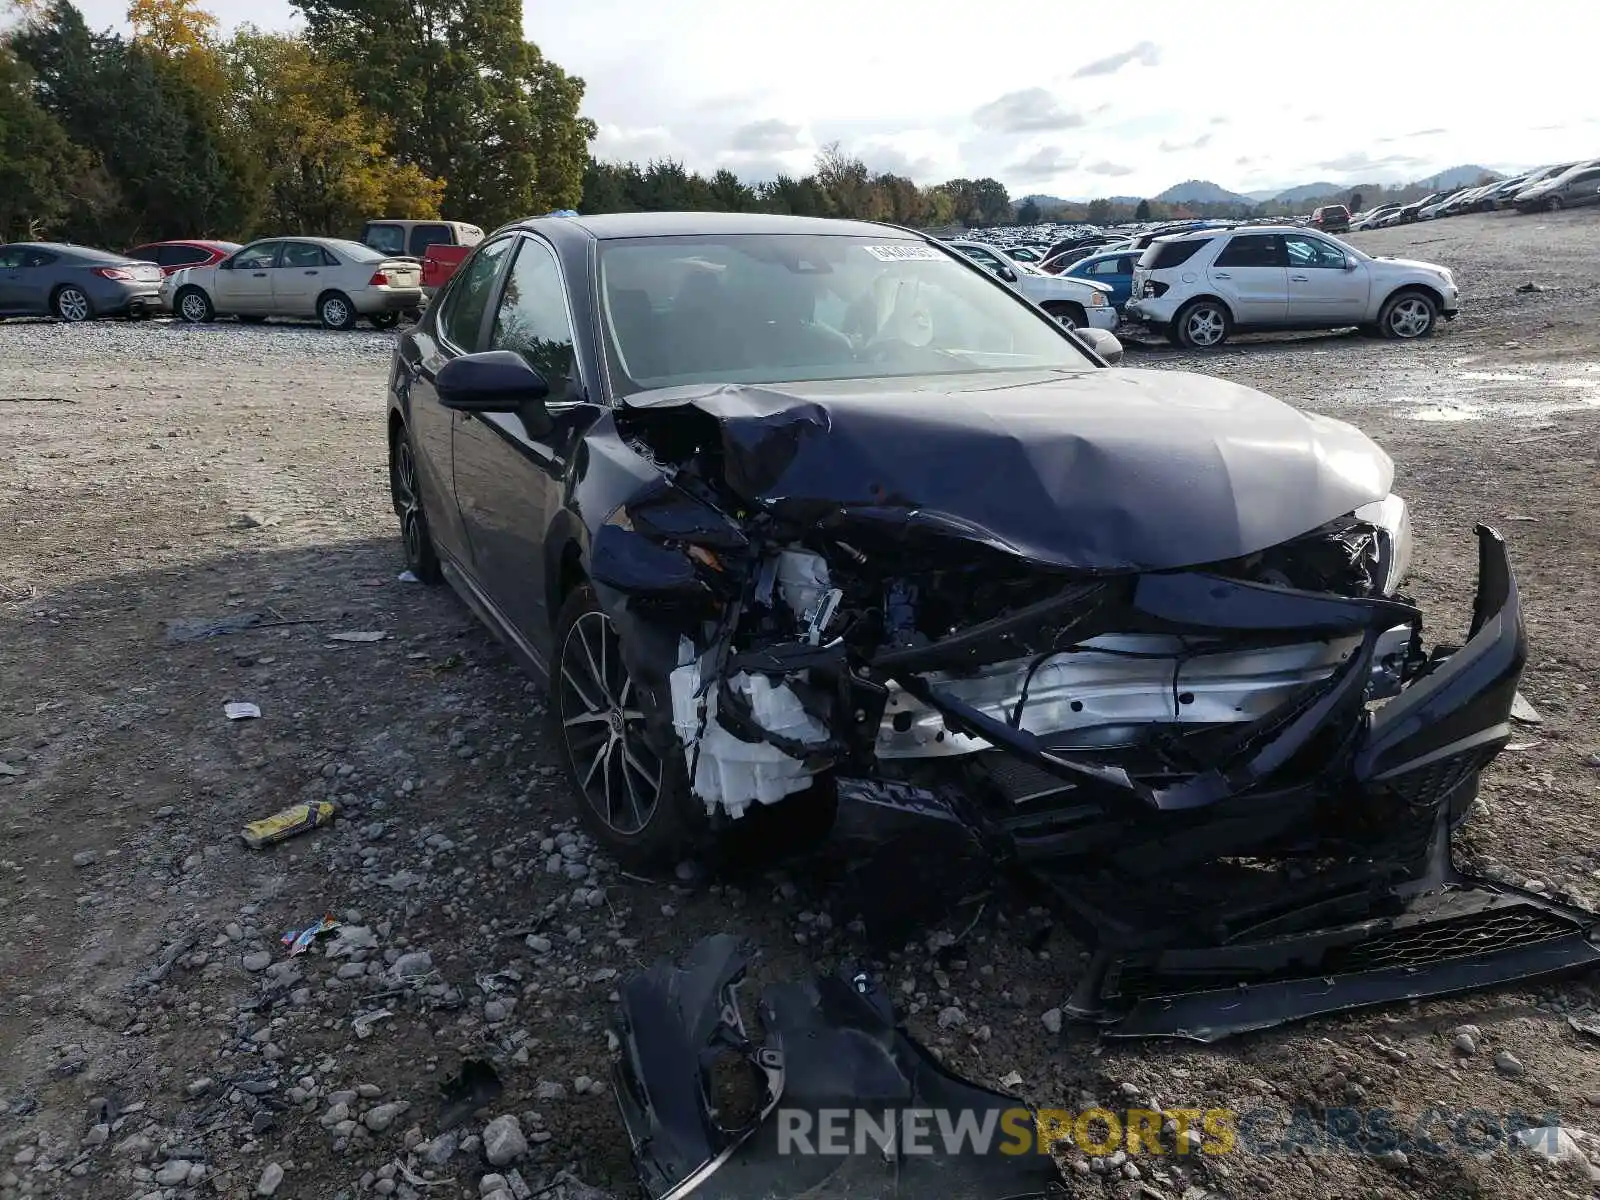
(1313, 253)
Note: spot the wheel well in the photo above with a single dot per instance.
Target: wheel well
(1430, 293)
(332, 292)
(397, 430)
(571, 576)
(1217, 300)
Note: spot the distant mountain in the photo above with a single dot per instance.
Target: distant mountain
(1310, 191)
(1456, 177)
(1199, 191)
(1043, 201)
(1262, 196)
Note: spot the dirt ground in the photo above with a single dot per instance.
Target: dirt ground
(156, 1039)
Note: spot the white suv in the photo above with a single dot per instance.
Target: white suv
(1074, 302)
(1198, 288)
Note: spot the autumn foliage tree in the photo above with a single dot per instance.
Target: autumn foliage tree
(323, 165)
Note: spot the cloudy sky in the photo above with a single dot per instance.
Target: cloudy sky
(1078, 106)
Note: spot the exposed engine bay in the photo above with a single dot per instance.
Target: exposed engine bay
(1014, 632)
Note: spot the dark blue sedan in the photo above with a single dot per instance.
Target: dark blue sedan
(1115, 269)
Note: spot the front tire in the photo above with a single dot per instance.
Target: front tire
(635, 802)
(335, 311)
(71, 304)
(1067, 313)
(1407, 316)
(194, 306)
(1202, 325)
(1553, 204)
(422, 560)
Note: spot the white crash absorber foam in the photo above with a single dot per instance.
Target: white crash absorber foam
(728, 773)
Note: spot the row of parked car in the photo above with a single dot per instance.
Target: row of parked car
(1198, 283)
(391, 271)
(1548, 189)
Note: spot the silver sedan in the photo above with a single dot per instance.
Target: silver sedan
(331, 279)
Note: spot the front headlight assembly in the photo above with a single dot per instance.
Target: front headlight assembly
(1392, 519)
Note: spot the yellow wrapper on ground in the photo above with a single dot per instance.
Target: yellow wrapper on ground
(281, 826)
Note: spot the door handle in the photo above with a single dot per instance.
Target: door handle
(260, 274)
(1300, 278)
(1220, 275)
(311, 272)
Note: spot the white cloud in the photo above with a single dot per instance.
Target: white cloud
(1108, 168)
(1028, 111)
(1048, 162)
(1145, 53)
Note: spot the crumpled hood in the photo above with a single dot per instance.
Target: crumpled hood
(1100, 470)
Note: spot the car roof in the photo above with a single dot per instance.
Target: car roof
(677, 224)
(1192, 234)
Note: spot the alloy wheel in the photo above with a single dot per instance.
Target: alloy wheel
(1410, 317)
(618, 773)
(72, 305)
(193, 306)
(334, 313)
(410, 498)
(1205, 326)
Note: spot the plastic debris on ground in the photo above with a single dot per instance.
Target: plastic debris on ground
(241, 710)
(362, 635)
(299, 940)
(407, 577)
(1522, 711)
(194, 629)
(475, 1086)
(361, 1024)
(288, 823)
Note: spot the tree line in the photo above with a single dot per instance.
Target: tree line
(378, 109)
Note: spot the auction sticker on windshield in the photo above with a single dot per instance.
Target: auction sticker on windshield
(901, 252)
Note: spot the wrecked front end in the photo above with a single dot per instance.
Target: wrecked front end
(1241, 772)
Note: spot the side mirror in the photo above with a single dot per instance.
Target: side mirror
(225, 265)
(1007, 274)
(1351, 262)
(1102, 341)
(494, 381)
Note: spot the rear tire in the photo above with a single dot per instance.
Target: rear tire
(194, 306)
(384, 320)
(335, 311)
(636, 803)
(1202, 325)
(71, 304)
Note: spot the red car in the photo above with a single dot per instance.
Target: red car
(174, 256)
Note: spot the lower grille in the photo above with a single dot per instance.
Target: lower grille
(1428, 786)
(1459, 937)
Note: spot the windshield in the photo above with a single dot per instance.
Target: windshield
(355, 251)
(768, 308)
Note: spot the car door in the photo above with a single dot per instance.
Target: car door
(37, 276)
(298, 279)
(459, 328)
(1322, 288)
(510, 479)
(244, 282)
(1252, 275)
(11, 286)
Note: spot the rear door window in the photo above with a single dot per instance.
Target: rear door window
(181, 256)
(423, 236)
(1254, 250)
(38, 258)
(302, 254)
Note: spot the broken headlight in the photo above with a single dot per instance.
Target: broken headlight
(1392, 519)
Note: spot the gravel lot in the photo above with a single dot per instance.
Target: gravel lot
(156, 1041)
